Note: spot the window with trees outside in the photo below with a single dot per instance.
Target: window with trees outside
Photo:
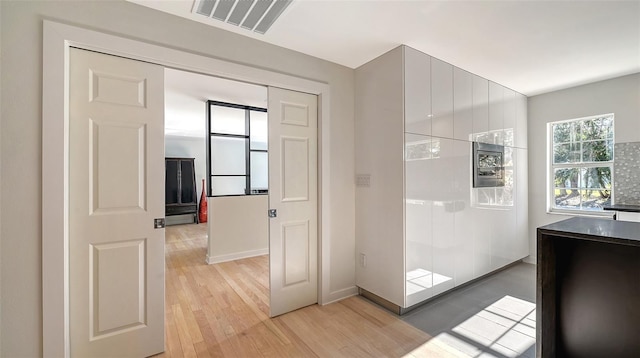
(581, 163)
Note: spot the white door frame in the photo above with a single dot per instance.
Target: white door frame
(57, 39)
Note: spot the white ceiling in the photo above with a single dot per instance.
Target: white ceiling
(186, 95)
(530, 46)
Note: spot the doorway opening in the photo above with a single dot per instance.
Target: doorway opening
(236, 226)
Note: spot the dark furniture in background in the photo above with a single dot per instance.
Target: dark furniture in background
(588, 289)
(180, 187)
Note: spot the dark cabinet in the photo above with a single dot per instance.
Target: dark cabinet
(588, 289)
(180, 187)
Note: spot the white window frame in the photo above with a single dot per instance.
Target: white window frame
(551, 209)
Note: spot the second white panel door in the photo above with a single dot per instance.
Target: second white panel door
(293, 233)
(441, 99)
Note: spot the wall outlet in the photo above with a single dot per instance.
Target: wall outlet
(363, 180)
(363, 260)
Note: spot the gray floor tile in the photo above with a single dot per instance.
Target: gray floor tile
(454, 313)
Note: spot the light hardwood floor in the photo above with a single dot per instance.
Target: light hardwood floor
(222, 310)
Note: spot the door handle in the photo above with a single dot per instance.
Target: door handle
(273, 213)
(158, 223)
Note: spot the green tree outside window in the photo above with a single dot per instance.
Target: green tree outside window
(582, 161)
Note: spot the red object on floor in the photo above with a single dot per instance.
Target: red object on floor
(202, 213)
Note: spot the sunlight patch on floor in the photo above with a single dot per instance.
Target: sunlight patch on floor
(421, 279)
(505, 328)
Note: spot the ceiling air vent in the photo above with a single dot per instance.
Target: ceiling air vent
(253, 15)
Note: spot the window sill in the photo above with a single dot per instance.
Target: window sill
(583, 213)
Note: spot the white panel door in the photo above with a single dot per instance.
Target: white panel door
(509, 117)
(444, 198)
(463, 229)
(441, 99)
(463, 104)
(503, 216)
(496, 113)
(420, 152)
(417, 92)
(520, 137)
(116, 181)
(521, 183)
(293, 233)
(480, 109)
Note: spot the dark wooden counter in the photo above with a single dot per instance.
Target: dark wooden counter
(623, 207)
(588, 289)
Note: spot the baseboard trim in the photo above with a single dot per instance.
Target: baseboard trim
(236, 256)
(460, 287)
(392, 307)
(340, 295)
(380, 301)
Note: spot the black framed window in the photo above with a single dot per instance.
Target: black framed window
(237, 149)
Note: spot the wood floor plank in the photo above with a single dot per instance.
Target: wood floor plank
(209, 340)
(173, 345)
(222, 310)
(183, 333)
(259, 314)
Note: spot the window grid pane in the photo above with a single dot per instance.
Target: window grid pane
(258, 130)
(228, 185)
(228, 156)
(582, 188)
(227, 120)
(259, 170)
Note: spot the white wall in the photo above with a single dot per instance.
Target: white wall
(620, 96)
(238, 227)
(21, 143)
(380, 138)
(1, 115)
